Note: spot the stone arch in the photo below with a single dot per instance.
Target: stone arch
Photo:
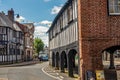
(97, 52)
(53, 59)
(63, 61)
(110, 68)
(71, 62)
(57, 60)
(107, 45)
(111, 50)
(110, 47)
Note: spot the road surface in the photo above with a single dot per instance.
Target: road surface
(31, 72)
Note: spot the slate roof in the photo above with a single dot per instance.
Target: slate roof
(16, 27)
(5, 21)
(29, 25)
(60, 13)
(22, 27)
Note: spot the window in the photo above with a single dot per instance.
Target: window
(61, 22)
(70, 13)
(5, 37)
(114, 7)
(2, 30)
(14, 33)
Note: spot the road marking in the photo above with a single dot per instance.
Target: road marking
(61, 77)
(50, 75)
(57, 73)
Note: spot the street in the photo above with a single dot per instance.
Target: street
(29, 72)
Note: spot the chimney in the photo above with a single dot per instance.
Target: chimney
(11, 14)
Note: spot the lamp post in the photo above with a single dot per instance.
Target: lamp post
(18, 16)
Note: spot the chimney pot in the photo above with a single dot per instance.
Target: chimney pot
(11, 14)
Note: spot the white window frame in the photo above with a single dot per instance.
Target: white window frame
(114, 7)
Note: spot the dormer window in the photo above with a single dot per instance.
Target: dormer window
(114, 7)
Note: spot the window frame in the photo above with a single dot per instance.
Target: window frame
(112, 13)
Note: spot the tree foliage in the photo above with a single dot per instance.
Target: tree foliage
(38, 45)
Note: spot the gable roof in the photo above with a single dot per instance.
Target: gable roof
(5, 21)
(29, 25)
(16, 26)
(21, 26)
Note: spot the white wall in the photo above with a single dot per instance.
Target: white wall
(68, 35)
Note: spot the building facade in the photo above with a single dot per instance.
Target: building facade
(11, 40)
(98, 23)
(63, 39)
(29, 31)
(46, 50)
(85, 30)
(16, 39)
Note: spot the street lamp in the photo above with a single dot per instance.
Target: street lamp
(18, 16)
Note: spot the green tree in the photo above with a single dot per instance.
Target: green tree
(38, 45)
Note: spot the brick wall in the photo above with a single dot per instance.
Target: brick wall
(97, 31)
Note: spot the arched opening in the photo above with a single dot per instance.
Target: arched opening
(63, 61)
(111, 62)
(57, 61)
(111, 57)
(53, 59)
(72, 63)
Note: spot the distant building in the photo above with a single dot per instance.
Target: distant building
(46, 50)
(29, 31)
(23, 28)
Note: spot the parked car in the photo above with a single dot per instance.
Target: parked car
(40, 57)
(43, 57)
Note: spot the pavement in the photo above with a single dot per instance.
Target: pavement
(20, 64)
(57, 74)
(112, 74)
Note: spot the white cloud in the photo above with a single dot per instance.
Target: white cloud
(56, 9)
(20, 19)
(40, 32)
(46, 22)
(41, 29)
(47, 0)
(36, 23)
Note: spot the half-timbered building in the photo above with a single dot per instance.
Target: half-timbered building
(29, 40)
(63, 39)
(11, 39)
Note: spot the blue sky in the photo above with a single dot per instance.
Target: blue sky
(41, 12)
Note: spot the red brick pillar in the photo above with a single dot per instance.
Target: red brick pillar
(89, 59)
(85, 58)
